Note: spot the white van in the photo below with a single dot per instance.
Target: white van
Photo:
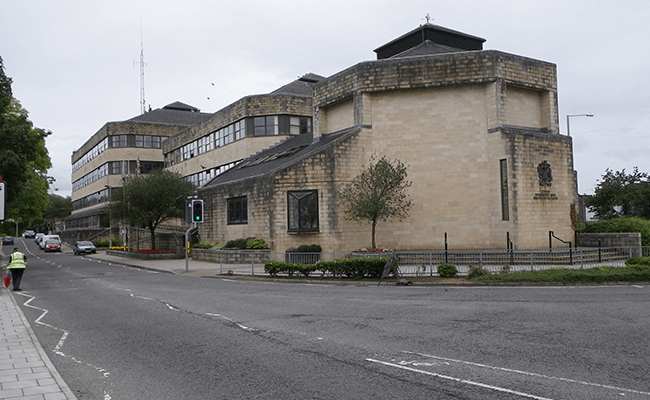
(45, 238)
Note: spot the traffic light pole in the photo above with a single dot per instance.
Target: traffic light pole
(187, 247)
(196, 217)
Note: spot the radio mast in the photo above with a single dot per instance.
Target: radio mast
(142, 102)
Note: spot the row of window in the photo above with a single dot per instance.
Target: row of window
(93, 176)
(142, 141)
(125, 167)
(302, 207)
(92, 153)
(253, 126)
(91, 200)
(92, 221)
(201, 178)
(118, 141)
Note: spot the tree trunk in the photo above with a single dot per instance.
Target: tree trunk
(153, 238)
(374, 224)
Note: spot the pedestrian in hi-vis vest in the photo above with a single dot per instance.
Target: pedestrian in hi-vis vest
(17, 267)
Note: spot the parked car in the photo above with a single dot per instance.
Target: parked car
(52, 245)
(7, 240)
(84, 247)
(30, 234)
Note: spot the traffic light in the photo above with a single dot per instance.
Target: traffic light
(197, 210)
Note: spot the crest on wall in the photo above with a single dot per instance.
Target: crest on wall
(544, 172)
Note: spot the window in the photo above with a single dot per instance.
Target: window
(118, 141)
(505, 207)
(266, 126)
(303, 210)
(299, 125)
(139, 140)
(238, 210)
(240, 129)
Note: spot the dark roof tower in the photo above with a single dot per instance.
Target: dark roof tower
(429, 39)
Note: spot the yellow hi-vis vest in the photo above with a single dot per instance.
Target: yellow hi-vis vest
(17, 261)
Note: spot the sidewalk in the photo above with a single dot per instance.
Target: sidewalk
(178, 266)
(26, 371)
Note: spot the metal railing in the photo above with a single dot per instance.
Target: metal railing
(425, 263)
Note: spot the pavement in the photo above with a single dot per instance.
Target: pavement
(26, 371)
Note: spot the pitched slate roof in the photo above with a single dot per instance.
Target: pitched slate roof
(427, 48)
(301, 86)
(176, 113)
(278, 157)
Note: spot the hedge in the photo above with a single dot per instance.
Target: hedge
(355, 268)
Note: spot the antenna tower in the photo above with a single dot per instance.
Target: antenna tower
(142, 102)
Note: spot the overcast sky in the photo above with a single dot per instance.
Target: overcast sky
(75, 64)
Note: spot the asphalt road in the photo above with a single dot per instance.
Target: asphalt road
(115, 332)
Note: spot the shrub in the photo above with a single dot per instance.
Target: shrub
(447, 270)
(248, 243)
(255, 243)
(475, 272)
(236, 244)
(355, 268)
(106, 243)
(306, 248)
(273, 268)
(204, 245)
(621, 224)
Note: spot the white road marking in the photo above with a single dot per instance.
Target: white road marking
(247, 329)
(451, 378)
(57, 349)
(532, 374)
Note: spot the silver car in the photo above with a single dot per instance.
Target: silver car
(84, 247)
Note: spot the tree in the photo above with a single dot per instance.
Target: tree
(57, 207)
(379, 192)
(621, 194)
(148, 200)
(24, 159)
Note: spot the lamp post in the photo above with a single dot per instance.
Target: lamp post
(110, 217)
(568, 129)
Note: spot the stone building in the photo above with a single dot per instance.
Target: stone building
(118, 149)
(477, 128)
(254, 123)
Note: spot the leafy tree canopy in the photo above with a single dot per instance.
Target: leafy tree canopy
(148, 200)
(24, 159)
(379, 192)
(621, 194)
(57, 207)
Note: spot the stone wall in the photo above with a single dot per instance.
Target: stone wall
(631, 239)
(231, 257)
(443, 70)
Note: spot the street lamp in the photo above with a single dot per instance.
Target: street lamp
(568, 130)
(110, 217)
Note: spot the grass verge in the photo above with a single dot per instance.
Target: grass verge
(630, 273)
